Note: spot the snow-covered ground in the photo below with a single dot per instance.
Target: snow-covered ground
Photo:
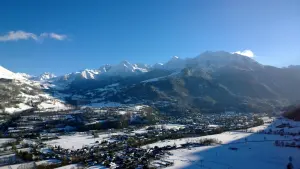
(71, 166)
(7, 74)
(159, 126)
(253, 150)
(18, 108)
(170, 126)
(52, 105)
(104, 104)
(226, 137)
(97, 167)
(18, 166)
(77, 141)
(31, 92)
(290, 126)
(248, 156)
(48, 162)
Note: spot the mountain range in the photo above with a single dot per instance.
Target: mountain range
(212, 82)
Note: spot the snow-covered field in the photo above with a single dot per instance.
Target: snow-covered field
(18, 166)
(226, 137)
(170, 126)
(159, 126)
(71, 166)
(77, 141)
(253, 150)
(251, 155)
(97, 167)
(48, 162)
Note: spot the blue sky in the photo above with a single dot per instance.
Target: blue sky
(63, 36)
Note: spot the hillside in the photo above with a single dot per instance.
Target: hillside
(292, 112)
(19, 94)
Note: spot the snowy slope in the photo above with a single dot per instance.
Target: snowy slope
(212, 60)
(253, 150)
(6, 74)
(248, 156)
(22, 94)
(89, 74)
(18, 108)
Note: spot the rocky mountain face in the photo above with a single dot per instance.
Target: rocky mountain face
(212, 82)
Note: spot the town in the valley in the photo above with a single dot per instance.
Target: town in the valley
(135, 136)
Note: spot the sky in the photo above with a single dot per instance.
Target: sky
(63, 36)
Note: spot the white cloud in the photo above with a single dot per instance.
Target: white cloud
(57, 36)
(247, 53)
(22, 35)
(18, 35)
(54, 36)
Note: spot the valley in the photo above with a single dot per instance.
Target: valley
(186, 113)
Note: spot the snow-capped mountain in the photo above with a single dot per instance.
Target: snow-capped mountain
(7, 74)
(105, 68)
(213, 60)
(80, 75)
(175, 63)
(157, 66)
(122, 69)
(209, 81)
(125, 68)
(207, 60)
(88, 73)
(44, 77)
(20, 93)
(27, 76)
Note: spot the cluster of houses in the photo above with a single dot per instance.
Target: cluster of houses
(227, 121)
(121, 150)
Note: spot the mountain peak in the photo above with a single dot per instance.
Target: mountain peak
(125, 62)
(5, 74)
(175, 57)
(105, 68)
(45, 76)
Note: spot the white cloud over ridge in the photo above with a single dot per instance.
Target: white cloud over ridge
(22, 35)
(247, 53)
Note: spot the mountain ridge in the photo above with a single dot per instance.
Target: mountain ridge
(210, 82)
